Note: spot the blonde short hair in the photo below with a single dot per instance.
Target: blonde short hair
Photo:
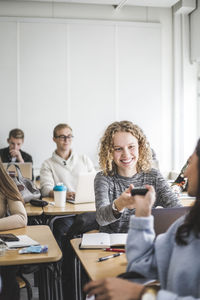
(106, 161)
(60, 126)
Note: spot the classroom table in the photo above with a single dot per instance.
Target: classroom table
(94, 269)
(34, 214)
(99, 270)
(69, 208)
(186, 200)
(49, 275)
(52, 212)
(33, 210)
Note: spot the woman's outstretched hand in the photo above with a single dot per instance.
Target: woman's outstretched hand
(142, 204)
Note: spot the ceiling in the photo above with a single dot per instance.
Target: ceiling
(120, 3)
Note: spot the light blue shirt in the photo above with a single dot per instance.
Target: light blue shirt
(176, 267)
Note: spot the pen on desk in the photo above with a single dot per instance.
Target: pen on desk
(114, 250)
(110, 256)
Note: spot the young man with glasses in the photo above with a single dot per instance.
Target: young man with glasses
(64, 166)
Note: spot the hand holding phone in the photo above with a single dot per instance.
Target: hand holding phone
(139, 191)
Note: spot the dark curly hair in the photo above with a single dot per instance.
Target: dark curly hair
(192, 220)
(106, 147)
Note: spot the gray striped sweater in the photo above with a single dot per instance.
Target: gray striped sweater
(108, 188)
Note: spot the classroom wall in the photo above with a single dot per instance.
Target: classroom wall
(87, 66)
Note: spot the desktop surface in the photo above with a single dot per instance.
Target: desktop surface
(40, 233)
(69, 208)
(99, 270)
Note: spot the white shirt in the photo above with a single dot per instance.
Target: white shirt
(56, 169)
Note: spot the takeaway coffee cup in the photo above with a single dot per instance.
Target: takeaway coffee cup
(60, 191)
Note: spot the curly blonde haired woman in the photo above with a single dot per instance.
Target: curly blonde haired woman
(125, 158)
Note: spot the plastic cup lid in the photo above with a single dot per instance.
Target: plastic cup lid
(60, 187)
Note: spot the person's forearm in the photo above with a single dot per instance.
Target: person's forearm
(104, 215)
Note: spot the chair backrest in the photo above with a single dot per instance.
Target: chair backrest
(164, 217)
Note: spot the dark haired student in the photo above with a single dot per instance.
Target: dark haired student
(172, 258)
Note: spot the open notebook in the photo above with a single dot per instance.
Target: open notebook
(103, 240)
(24, 241)
(85, 188)
(25, 168)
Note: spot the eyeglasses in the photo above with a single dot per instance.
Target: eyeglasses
(64, 137)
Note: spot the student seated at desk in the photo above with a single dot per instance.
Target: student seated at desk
(12, 215)
(172, 258)
(125, 158)
(13, 153)
(64, 166)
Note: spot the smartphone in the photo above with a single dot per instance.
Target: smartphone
(8, 237)
(138, 191)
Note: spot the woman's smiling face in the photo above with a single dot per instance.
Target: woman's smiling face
(126, 153)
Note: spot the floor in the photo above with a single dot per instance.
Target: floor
(23, 292)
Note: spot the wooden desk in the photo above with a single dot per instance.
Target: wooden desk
(187, 200)
(49, 270)
(51, 212)
(99, 270)
(34, 214)
(69, 209)
(33, 210)
(94, 269)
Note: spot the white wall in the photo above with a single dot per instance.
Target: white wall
(87, 73)
(185, 132)
(195, 41)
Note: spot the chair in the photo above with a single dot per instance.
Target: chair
(24, 283)
(164, 217)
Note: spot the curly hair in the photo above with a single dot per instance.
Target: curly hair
(106, 161)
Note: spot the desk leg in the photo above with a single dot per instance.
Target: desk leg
(49, 282)
(35, 220)
(77, 278)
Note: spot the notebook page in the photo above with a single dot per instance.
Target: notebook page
(118, 239)
(24, 241)
(95, 240)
